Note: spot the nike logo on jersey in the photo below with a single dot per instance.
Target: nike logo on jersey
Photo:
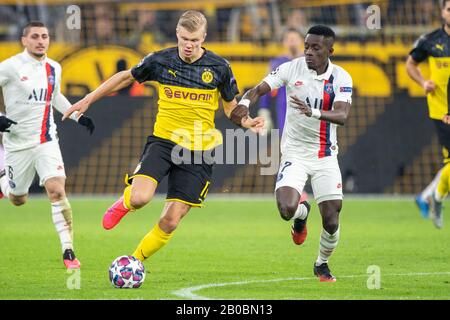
(298, 83)
(24, 78)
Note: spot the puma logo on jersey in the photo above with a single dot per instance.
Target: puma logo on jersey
(174, 73)
(440, 46)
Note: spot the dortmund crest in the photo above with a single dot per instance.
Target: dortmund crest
(207, 76)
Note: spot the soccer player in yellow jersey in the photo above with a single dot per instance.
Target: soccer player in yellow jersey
(436, 47)
(190, 79)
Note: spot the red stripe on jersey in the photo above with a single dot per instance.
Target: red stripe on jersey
(46, 121)
(324, 126)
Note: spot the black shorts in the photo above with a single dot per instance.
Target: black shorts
(187, 182)
(443, 131)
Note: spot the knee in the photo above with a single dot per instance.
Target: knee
(138, 199)
(331, 226)
(56, 194)
(330, 221)
(287, 209)
(18, 201)
(330, 216)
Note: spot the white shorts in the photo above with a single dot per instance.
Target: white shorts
(21, 166)
(326, 180)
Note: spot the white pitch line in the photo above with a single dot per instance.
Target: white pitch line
(188, 293)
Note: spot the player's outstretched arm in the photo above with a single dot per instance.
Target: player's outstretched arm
(238, 112)
(239, 115)
(62, 105)
(338, 115)
(118, 81)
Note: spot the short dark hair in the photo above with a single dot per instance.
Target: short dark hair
(30, 25)
(444, 2)
(324, 31)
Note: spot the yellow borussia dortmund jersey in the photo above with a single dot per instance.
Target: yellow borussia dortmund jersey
(436, 47)
(188, 95)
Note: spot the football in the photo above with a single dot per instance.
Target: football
(127, 272)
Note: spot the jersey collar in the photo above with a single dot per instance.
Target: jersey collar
(30, 59)
(192, 63)
(323, 76)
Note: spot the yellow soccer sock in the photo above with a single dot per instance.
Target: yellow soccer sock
(127, 198)
(152, 242)
(444, 182)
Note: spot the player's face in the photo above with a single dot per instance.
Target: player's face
(317, 51)
(446, 13)
(36, 41)
(190, 43)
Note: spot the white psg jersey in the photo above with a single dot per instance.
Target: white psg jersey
(303, 136)
(30, 89)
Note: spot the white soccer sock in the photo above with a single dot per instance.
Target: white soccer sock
(4, 186)
(301, 213)
(62, 219)
(328, 242)
(428, 191)
(437, 196)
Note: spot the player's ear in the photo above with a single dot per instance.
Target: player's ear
(23, 40)
(331, 51)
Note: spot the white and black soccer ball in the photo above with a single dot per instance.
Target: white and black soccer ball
(126, 272)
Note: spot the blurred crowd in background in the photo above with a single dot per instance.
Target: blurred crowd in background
(129, 23)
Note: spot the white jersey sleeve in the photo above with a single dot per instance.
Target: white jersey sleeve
(279, 77)
(5, 73)
(344, 87)
(60, 102)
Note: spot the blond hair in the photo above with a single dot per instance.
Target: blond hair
(192, 21)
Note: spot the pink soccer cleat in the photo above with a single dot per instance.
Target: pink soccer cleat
(114, 214)
(70, 261)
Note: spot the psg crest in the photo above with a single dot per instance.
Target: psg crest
(329, 88)
(51, 79)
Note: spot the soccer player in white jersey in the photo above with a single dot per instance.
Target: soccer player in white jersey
(31, 87)
(319, 99)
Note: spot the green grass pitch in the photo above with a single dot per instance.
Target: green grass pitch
(234, 249)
